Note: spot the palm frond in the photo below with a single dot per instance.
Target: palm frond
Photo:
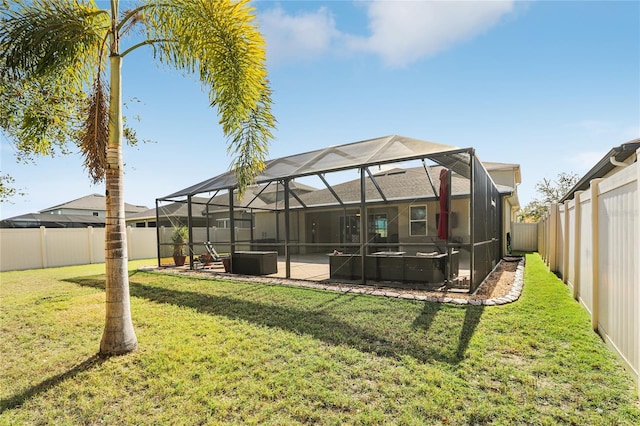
(40, 114)
(250, 146)
(51, 51)
(219, 41)
(40, 37)
(94, 135)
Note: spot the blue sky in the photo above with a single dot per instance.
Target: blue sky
(550, 85)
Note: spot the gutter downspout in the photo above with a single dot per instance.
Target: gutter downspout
(615, 162)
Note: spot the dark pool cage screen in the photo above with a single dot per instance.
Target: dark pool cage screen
(306, 225)
(486, 208)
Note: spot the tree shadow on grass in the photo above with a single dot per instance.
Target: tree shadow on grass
(391, 341)
(17, 400)
(454, 344)
(472, 317)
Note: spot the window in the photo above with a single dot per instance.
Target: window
(225, 223)
(418, 220)
(95, 213)
(378, 225)
(350, 228)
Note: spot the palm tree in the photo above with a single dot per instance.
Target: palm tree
(55, 53)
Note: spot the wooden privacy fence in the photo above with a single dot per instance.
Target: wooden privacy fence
(593, 243)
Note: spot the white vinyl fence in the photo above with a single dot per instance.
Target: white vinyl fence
(42, 247)
(524, 236)
(221, 238)
(593, 243)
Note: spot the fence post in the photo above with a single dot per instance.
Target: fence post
(547, 236)
(161, 240)
(553, 237)
(595, 246)
(90, 243)
(43, 247)
(637, 242)
(542, 237)
(565, 247)
(129, 243)
(576, 251)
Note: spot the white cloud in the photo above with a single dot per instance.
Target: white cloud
(405, 31)
(302, 36)
(596, 127)
(598, 133)
(631, 132)
(607, 131)
(583, 161)
(401, 32)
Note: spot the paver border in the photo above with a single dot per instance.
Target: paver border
(512, 296)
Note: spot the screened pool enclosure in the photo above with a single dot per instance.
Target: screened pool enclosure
(391, 211)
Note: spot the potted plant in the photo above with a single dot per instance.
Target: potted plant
(179, 238)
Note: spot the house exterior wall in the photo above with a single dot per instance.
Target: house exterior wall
(101, 213)
(459, 223)
(265, 225)
(269, 227)
(506, 223)
(319, 230)
(503, 177)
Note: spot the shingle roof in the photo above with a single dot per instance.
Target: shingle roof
(395, 184)
(36, 220)
(92, 202)
(255, 195)
(171, 209)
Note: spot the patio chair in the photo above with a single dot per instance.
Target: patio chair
(212, 251)
(212, 257)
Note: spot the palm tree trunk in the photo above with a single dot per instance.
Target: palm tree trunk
(119, 336)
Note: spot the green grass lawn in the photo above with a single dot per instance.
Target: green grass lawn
(224, 352)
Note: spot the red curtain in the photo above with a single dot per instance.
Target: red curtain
(443, 220)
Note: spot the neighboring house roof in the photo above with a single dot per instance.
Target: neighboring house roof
(93, 202)
(143, 215)
(258, 195)
(625, 153)
(293, 186)
(36, 220)
(49, 219)
(174, 209)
